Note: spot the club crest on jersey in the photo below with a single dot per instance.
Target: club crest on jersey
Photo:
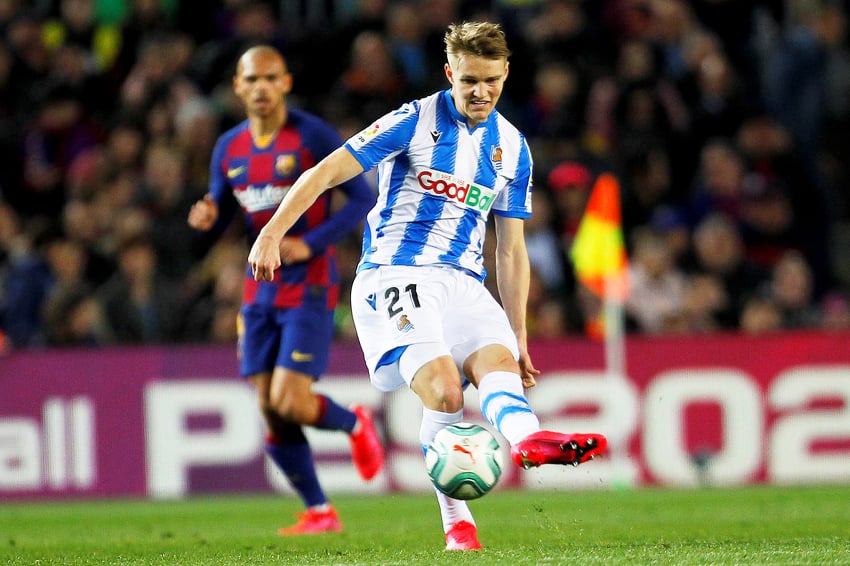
(284, 164)
(457, 190)
(496, 157)
(404, 323)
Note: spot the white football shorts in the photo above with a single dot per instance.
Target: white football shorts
(396, 306)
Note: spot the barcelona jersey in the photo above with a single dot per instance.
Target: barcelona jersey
(255, 179)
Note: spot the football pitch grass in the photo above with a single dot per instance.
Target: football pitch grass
(754, 525)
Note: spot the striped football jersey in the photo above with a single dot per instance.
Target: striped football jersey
(438, 181)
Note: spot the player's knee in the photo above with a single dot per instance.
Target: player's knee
(265, 406)
(441, 395)
(488, 359)
(292, 407)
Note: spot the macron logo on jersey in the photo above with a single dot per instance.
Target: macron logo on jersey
(457, 190)
(255, 198)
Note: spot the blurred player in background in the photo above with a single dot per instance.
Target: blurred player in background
(286, 322)
(422, 313)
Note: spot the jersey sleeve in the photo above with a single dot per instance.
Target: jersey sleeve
(387, 136)
(219, 188)
(515, 200)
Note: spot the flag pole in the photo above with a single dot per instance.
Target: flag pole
(615, 371)
(615, 359)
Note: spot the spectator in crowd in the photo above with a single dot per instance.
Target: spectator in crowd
(27, 282)
(59, 133)
(760, 315)
(370, 84)
(704, 303)
(795, 73)
(216, 288)
(166, 196)
(545, 252)
(656, 297)
(720, 183)
(406, 40)
(671, 223)
(74, 317)
(646, 183)
(835, 311)
(791, 289)
(719, 252)
(141, 305)
(796, 212)
(570, 183)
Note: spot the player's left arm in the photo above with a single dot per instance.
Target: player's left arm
(513, 275)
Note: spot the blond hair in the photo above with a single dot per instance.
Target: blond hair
(483, 39)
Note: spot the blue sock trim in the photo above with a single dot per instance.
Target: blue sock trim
(335, 417)
(510, 410)
(486, 404)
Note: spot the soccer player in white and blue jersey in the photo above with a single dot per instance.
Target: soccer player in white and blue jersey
(423, 316)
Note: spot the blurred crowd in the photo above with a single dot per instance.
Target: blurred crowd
(726, 122)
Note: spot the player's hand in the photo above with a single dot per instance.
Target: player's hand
(294, 250)
(264, 257)
(203, 214)
(527, 371)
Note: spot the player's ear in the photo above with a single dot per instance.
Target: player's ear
(449, 75)
(507, 68)
(287, 82)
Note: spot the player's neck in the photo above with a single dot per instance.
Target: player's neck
(263, 128)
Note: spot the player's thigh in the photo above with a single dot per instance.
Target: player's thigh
(305, 342)
(477, 321)
(298, 339)
(259, 341)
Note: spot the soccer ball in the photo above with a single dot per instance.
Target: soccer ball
(464, 461)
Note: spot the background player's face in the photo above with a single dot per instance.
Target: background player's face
(261, 83)
(477, 84)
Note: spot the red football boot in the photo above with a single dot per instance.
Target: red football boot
(462, 536)
(366, 449)
(547, 447)
(312, 522)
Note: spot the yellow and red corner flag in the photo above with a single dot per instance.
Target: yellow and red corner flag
(598, 251)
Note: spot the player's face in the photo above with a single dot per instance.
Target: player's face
(262, 82)
(477, 84)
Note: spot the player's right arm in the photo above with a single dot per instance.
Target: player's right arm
(205, 212)
(333, 170)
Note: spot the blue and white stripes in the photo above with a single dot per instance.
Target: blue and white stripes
(438, 180)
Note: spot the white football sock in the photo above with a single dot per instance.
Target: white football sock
(451, 510)
(504, 405)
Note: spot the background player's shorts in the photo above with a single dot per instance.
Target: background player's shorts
(295, 338)
(395, 306)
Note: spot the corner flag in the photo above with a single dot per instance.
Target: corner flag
(598, 251)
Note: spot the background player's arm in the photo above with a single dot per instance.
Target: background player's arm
(203, 214)
(333, 170)
(513, 274)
